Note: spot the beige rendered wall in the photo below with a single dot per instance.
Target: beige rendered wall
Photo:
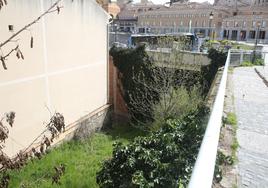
(66, 70)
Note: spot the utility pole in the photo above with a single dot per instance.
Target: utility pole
(210, 21)
(256, 43)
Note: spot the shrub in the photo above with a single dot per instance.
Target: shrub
(259, 61)
(163, 159)
(176, 103)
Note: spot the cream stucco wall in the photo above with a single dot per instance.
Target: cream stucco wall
(66, 70)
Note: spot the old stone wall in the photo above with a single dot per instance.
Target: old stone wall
(119, 107)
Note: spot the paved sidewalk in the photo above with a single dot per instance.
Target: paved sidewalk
(251, 106)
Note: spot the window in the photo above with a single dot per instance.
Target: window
(204, 23)
(253, 23)
(227, 24)
(235, 24)
(263, 24)
(244, 23)
(252, 34)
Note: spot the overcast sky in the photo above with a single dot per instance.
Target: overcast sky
(164, 1)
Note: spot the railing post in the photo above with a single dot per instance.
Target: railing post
(202, 175)
(241, 57)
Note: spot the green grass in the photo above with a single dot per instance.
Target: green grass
(258, 62)
(234, 148)
(231, 119)
(247, 64)
(242, 46)
(81, 158)
(231, 70)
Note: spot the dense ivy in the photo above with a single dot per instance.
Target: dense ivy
(133, 62)
(218, 59)
(163, 159)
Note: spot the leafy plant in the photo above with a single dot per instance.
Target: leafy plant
(218, 59)
(221, 160)
(163, 159)
(231, 119)
(176, 103)
(234, 146)
(259, 61)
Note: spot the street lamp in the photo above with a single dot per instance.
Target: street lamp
(115, 32)
(256, 42)
(210, 20)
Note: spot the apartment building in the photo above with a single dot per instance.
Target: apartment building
(203, 19)
(249, 24)
(240, 20)
(127, 19)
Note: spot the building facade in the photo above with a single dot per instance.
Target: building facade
(65, 71)
(250, 23)
(246, 28)
(201, 18)
(127, 19)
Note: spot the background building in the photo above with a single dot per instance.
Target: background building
(127, 19)
(250, 23)
(184, 17)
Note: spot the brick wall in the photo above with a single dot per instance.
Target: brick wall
(115, 96)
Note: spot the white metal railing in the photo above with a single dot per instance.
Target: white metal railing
(202, 175)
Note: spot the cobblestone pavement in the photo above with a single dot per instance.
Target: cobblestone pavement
(251, 106)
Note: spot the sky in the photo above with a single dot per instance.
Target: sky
(164, 1)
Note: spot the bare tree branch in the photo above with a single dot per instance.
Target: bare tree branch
(49, 10)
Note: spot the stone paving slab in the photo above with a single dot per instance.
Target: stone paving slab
(251, 107)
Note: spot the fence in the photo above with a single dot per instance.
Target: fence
(203, 171)
(239, 56)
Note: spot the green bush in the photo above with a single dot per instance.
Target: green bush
(259, 61)
(175, 104)
(163, 159)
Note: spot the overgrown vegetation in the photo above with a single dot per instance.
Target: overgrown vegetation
(175, 104)
(258, 62)
(218, 59)
(221, 160)
(148, 88)
(169, 101)
(230, 119)
(225, 45)
(163, 159)
(81, 159)
(224, 159)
